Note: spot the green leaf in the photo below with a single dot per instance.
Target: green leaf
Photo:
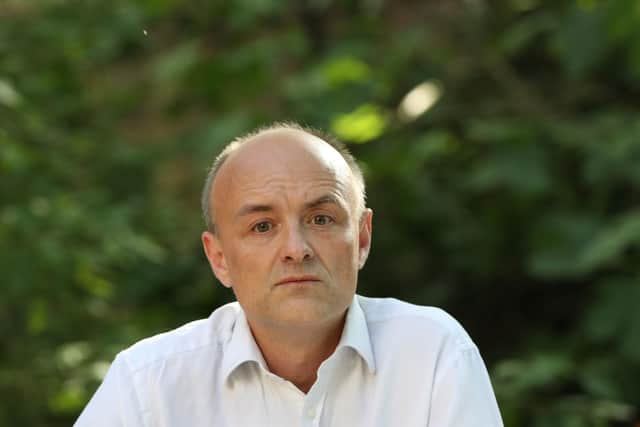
(342, 70)
(363, 124)
(608, 245)
(582, 41)
(556, 242)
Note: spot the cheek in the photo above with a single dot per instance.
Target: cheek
(342, 250)
(237, 263)
(350, 240)
(246, 264)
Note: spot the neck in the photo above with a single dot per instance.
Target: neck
(297, 355)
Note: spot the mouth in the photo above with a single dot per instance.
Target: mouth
(298, 280)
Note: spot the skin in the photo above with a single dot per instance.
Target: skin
(289, 241)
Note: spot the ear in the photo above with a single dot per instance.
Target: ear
(213, 251)
(364, 237)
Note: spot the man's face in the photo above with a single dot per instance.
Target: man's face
(288, 238)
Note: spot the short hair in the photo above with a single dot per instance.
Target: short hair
(340, 147)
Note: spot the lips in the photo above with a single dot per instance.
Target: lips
(292, 280)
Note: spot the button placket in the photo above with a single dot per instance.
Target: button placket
(311, 413)
(314, 403)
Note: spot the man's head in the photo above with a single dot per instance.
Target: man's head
(209, 215)
(290, 227)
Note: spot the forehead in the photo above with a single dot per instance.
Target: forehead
(282, 159)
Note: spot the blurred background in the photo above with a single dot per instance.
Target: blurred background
(500, 141)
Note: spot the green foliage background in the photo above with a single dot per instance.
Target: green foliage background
(513, 203)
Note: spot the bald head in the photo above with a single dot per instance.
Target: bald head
(286, 147)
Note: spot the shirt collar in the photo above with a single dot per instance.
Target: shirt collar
(241, 346)
(356, 334)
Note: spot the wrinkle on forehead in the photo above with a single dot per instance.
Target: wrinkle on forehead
(284, 180)
(283, 160)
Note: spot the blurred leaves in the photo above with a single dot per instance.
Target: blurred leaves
(345, 70)
(363, 124)
(512, 203)
(8, 94)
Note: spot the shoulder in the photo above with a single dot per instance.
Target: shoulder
(397, 321)
(189, 340)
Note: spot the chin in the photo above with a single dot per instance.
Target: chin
(303, 311)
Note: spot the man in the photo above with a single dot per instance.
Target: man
(287, 232)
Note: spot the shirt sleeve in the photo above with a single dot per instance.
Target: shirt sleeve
(462, 393)
(115, 403)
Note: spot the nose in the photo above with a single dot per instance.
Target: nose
(296, 248)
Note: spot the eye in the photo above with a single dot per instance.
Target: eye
(322, 220)
(262, 227)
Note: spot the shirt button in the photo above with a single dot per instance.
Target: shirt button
(311, 413)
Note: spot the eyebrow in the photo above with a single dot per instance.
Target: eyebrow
(254, 208)
(322, 200)
(249, 209)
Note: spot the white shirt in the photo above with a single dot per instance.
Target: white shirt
(396, 364)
